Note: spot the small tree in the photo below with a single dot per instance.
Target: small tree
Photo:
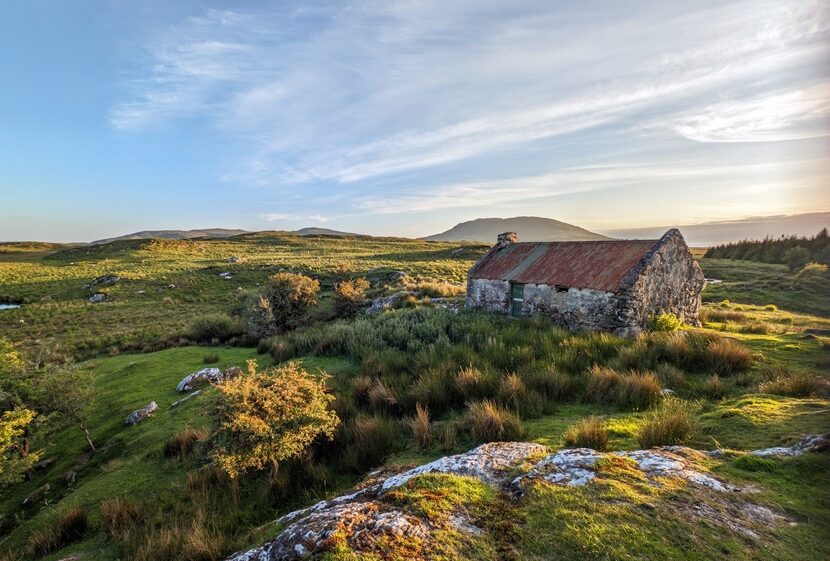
(264, 418)
(350, 297)
(284, 303)
(796, 257)
(15, 459)
(67, 393)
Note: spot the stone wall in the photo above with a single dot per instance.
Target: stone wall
(668, 280)
(492, 295)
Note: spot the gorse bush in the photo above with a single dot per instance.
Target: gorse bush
(663, 322)
(264, 418)
(590, 432)
(671, 423)
(283, 303)
(350, 297)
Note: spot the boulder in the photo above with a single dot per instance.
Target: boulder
(211, 375)
(233, 259)
(140, 414)
(384, 303)
(97, 298)
(812, 443)
(103, 280)
(225, 275)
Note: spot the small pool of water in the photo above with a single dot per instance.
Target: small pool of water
(9, 306)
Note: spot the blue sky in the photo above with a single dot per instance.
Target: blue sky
(408, 117)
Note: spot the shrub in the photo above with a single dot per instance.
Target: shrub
(211, 358)
(284, 303)
(420, 427)
(218, 326)
(432, 389)
(725, 356)
(118, 516)
(69, 526)
(487, 422)
(182, 443)
(671, 423)
(793, 384)
(350, 297)
(590, 432)
(664, 322)
(263, 418)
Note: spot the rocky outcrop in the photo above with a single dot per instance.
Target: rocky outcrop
(211, 375)
(103, 280)
(366, 518)
(384, 303)
(814, 443)
(140, 414)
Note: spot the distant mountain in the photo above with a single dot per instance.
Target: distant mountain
(176, 234)
(757, 228)
(528, 228)
(324, 232)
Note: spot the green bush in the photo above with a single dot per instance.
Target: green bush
(284, 303)
(664, 322)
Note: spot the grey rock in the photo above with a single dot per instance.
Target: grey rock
(140, 414)
(211, 375)
(98, 298)
(103, 280)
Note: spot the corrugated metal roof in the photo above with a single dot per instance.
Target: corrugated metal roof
(600, 265)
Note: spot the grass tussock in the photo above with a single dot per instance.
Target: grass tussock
(182, 444)
(489, 422)
(420, 427)
(118, 516)
(671, 423)
(210, 358)
(793, 384)
(715, 387)
(590, 432)
(70, 525)
(637, 390)
(726, 357)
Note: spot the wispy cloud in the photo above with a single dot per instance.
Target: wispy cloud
(343, 97)
(788, 115)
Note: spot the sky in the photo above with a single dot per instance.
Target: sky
(404, 118)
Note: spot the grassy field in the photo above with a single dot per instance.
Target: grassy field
(381, 367)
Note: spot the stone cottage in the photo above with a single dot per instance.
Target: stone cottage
(608, 285)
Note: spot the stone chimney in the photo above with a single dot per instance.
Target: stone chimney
(506, 238)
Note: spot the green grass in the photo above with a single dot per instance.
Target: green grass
(145, 309)
(416, 354)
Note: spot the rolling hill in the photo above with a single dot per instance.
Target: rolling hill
(176, 234)
(529, 228)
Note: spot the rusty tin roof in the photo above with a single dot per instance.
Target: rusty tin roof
(599, 265)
